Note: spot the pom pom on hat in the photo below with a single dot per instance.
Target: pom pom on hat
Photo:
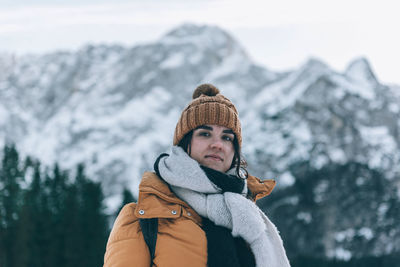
(205, 89)
(208, 106)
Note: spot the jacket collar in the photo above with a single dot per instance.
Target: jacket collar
(260, 188)
(157, 200)
(151, 183)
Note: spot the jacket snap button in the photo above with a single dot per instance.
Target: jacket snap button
(173, 212)
(141, 212)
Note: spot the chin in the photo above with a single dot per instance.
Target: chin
(217, 168)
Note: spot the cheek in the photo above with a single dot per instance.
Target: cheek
(230, 151)
(196, 146)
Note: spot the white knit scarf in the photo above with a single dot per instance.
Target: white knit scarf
(231, 210)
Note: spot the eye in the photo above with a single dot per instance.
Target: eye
(227, 138)
(204, 133)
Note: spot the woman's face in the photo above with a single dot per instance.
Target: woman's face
(212, 146)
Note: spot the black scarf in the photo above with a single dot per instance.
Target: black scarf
(222, 248)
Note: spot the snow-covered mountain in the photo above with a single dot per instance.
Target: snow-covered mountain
(318, 114)
(115, 108)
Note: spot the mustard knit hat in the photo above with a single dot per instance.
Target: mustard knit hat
(208, 107)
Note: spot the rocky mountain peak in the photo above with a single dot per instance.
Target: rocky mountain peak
(204, 37)
(360, 70)
(313, 64)
(196, 32)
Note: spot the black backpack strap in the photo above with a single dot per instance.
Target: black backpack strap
(149, 230)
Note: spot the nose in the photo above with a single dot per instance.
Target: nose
(216, 143)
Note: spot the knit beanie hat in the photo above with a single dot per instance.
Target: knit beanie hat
(208, 107)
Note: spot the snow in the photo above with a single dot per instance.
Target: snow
(382, 143)
(203, 37)
(360, 71)
(364, 90)
(271, 93)
(286, 179)
(376, 135)
(149, 76)
(394, 107)
(345, 235)
(320, 191)
(339, 93)
(349, 234)
(337, 155)
(174, 61)
(320, 161)
(366, 232)
(285, 93)
(302, 133)
(195, 58)
(382, 209)
(3, 116)
(342, 254)
(236, 62)
(304, 216)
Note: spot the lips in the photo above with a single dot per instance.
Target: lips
(214, 157)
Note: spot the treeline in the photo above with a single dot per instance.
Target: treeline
(52, 217)
(327, 209)
(49, 217)
(378, 261)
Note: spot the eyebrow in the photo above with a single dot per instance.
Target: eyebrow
(209, 128)
(205, 127)
(229, 131)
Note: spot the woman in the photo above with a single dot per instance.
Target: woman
(202, 197)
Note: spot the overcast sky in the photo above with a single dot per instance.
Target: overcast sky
(280, 35)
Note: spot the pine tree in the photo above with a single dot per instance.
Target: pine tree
(73, 232)
(34, 231)
(127, 198)
(93, 220)
(11, 175)
(86, 223)
(25, 228)
(54, 221)
(57, 185)
(31, 218)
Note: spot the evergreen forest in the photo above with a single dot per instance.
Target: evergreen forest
(53, 217)
(49, 217)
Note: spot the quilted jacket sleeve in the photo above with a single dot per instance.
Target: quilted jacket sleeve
(126, 246)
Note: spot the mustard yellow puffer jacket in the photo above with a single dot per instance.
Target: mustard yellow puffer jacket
(180, 240)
